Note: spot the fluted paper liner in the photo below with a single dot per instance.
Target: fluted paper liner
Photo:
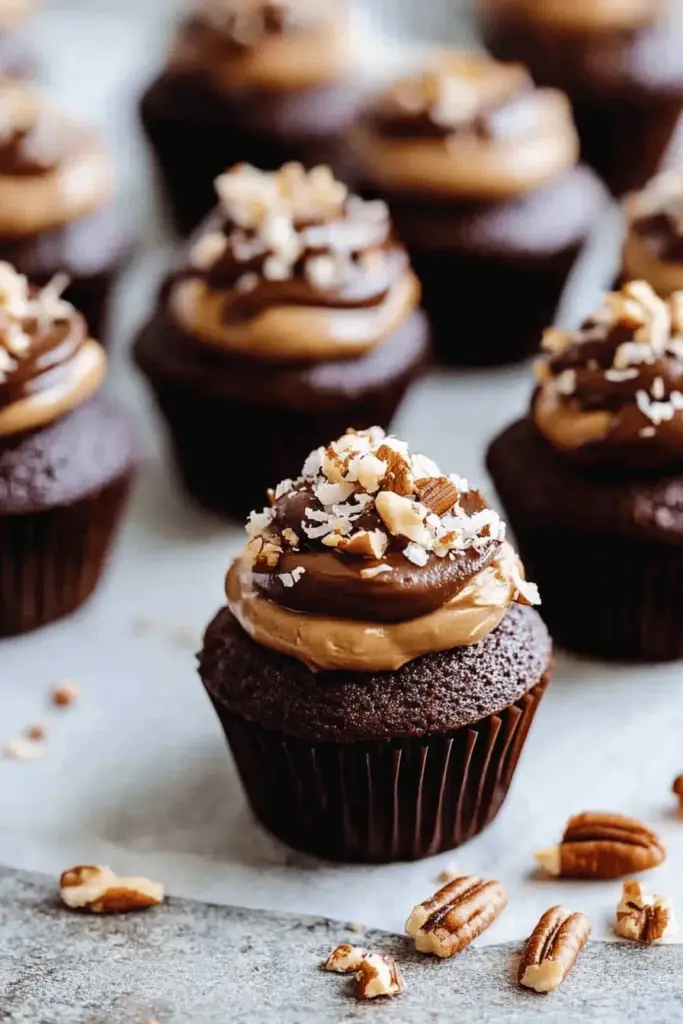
(608, 595)
(51, 561)
(383, 800)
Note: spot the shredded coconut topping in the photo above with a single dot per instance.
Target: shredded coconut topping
(22, 309)
(364, 472)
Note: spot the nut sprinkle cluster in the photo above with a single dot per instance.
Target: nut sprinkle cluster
(368, 495)
(631, 349)
(25, 312)
(247, 22)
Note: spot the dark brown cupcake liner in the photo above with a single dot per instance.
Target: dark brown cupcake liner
(609, 128)
(384, 800)
(51, 561)
(523, 297)
(606, 595)
(229, 454)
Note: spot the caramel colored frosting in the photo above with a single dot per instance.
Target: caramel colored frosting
(373, 557)
(269, 45)
(653, 250)
(581, 16)
(612, 392)
(48, 364)
(466, 127)
(293, 268)
(51, 170)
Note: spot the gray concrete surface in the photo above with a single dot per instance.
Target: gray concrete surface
(193, 963)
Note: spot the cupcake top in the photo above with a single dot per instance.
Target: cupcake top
(52, 171)
(274, 45)
(612, 391)
(373, 557)
(653, 249)
(48, 364)
(467, 127)
(584, 16)
(291, 267)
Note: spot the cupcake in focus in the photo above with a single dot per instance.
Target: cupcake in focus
(479, 170)
(16, 57)
(592, 479)
(66, 457)
(57, 209)
(619, 61)
(259, 81)
(378, 664)
(653, 249)
(295, 313)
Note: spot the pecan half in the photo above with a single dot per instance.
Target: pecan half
(365, 543)
(597, 845)
(99, 890)
(439, 494)
(398, 477)
(553, 949)
(456, 915)
(643, 917)
(345, 959)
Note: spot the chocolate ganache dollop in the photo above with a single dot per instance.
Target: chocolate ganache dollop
(653, 250)
(373, 557)
(291, 267)
(48, 364)
(612, 392)
(274, 45)
(467, 126)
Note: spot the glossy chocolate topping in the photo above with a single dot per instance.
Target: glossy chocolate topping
(292, 267)
(47, 361)
(371, 532)
(612, 392)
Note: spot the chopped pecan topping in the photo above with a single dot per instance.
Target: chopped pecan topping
(643, 917)
(64, 694)
(376, 974)
(397, 477)
(101, 891)
(678, 789)
(439, 494)
(456, 915)
(366, 543)
(553, 948)
(402, 517)
(597, 845)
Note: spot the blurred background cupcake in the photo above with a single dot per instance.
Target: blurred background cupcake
(294, 314)
(16, 56)
(57, 208)
(619, 61)
(263, 81)
(479, 169)
(653, 247)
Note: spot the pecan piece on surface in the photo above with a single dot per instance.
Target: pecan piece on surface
(643, 917)
(378, 975)
(456, 915)
(677, 789)
(599, 845)
(439, 494)
(100, 890)
(397, 477)
(345, 959)
(553, 949)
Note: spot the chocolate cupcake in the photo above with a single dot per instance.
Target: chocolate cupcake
(16, 57)
(378, 664)
(653, 248)
(619, 61)
(66, 457)
(479, 170)
(260, 81)
(592, 479)
(57, 211)
(295, 313)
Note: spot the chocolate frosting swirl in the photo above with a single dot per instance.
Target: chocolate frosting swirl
(296, 240)
(372, 532)
(612, 392)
